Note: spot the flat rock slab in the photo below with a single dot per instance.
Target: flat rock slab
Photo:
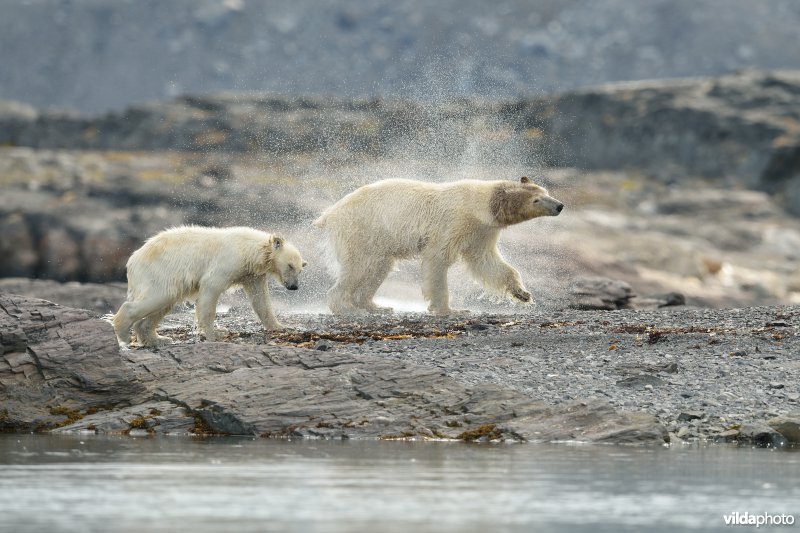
(78, 379)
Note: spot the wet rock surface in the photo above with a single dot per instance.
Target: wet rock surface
(535, 376)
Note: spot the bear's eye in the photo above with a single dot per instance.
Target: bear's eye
(536, 201)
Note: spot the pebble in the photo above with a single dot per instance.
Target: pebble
(323, 345)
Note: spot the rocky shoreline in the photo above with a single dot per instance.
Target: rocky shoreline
(669, 375)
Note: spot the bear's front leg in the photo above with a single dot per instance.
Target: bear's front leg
(258, 293)
(493, 272)
(520, 294)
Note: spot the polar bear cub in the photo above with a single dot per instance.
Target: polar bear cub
(192, 262)
(374, 226)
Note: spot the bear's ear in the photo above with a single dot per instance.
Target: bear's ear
(524, 179)
(277, 242)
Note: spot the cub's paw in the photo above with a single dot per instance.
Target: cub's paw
(159, 341)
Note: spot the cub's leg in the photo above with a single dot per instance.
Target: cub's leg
(206, 308)
(145, 329)
(132, 311)
(258, 293)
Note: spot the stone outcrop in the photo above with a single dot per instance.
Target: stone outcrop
(788, 426)
(61, 370)
(99, 298)
(600, 293)
(57, 362)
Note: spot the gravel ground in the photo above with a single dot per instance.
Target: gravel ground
(705, 373)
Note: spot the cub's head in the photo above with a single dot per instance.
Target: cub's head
(512, 203)
(285, 262)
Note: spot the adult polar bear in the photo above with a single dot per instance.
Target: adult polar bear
(193, 262)
(375, 225)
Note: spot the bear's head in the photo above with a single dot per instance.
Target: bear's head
(285, 262)
(513, 203)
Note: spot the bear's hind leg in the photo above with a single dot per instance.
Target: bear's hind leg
(145, 329)
(342, 296)
(369, 285)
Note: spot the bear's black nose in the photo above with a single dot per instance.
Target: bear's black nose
(560, 207)
(292, 287)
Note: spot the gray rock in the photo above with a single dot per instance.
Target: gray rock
(57, 363)
(760, 434)
(99, 297)
(323, 345)
(658, 300)
(727, 435)
(600, 293)
(737, 118)
(640, 381)
(686, 416)
(589, 421)
(788, 426)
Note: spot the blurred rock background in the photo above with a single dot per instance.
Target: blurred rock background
(95, 55)
(118, 120)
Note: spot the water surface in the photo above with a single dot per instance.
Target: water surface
(91, 483)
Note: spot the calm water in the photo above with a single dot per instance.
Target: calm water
(88, 483)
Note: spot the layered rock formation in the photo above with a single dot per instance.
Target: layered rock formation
(62, 370)
(742, 129)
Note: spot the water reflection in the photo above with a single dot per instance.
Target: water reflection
(88, 483)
